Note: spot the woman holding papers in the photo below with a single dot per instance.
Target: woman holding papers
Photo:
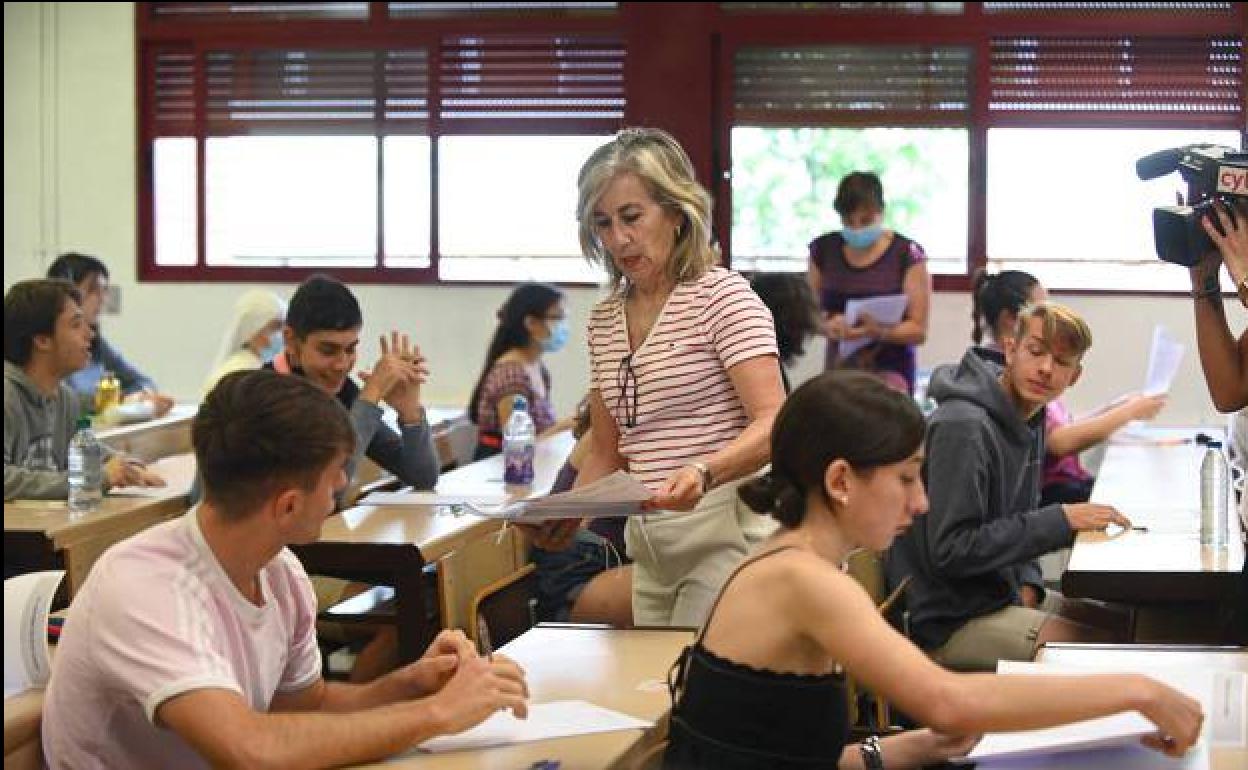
(865, 261)
(996, 300)
(685, 380)
(763, 686)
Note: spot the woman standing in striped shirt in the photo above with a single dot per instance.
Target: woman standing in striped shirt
(685, 381)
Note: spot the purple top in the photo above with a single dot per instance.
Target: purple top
(843, 282)
(1061, 468)
(510, 378)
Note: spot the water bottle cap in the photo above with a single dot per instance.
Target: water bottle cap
(84, 422)
(1213, 444)
(520, 403)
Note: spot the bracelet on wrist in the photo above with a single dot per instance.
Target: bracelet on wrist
(872, 755)
(704, 471)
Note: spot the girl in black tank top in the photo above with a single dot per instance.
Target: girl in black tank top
(845, 474)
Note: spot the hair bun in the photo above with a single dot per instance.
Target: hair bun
(759, 493)
(774, 495)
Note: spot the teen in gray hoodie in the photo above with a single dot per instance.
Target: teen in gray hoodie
(976, 593)
(47, 338)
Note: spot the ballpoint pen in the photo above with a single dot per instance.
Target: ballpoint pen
(483, 638)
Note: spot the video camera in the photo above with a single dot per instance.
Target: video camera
(1213, 173)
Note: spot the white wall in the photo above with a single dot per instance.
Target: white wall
(69, 183)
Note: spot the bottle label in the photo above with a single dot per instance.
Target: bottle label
(518, 463)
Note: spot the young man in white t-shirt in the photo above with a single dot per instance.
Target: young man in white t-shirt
(194, 643)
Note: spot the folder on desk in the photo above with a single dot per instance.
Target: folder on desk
(616, 495)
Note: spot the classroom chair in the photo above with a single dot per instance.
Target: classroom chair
(507, 607)
(866, 709)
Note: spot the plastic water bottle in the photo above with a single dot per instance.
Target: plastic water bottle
(85, 470)
(519, 444)
(1213, 496)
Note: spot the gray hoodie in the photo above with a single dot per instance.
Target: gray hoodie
(37, 430)
(975, 548)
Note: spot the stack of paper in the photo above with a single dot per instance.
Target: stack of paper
(888, 310)
(557, 719)
(616, 495)
(27, 599)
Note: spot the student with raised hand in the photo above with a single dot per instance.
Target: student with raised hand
(977, 595)
(254, 336)
(997, 299)
(193, 643)
(47, 339)
(763, 686)
(90, 276)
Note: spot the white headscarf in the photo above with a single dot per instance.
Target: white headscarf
(252, 312)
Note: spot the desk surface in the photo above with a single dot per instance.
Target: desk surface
(52, 518)
(1156, 486)
(434, 530)
(1110, 657)
(615, 669)
(153, 439)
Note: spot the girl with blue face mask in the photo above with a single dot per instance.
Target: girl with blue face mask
(865, 259)
(254, 336)
(531, 323)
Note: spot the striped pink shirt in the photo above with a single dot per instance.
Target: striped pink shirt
(672, 400)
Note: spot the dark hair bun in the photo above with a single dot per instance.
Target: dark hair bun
(771, 495)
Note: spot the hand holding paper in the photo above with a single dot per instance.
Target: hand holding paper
(616, 495)
(885, 311)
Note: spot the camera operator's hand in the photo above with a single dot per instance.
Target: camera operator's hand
(1233, 246)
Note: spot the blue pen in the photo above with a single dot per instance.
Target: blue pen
(545, 764)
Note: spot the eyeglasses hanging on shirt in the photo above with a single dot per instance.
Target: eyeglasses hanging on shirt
(625, 406)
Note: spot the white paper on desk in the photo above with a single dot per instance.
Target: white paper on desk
(616, 495)
(1223, 694)
(1129, 757)
(1117, 730)
(1163, 362)
(27, 599)
(888, 309)
(431, 498)
(557, 719)
(167, 468)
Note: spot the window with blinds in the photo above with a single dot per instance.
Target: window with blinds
(804, 116)
(1068, 119)
(325, 155)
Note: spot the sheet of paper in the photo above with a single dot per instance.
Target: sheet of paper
(616, 495)
(27, 599)
(557, 719)
(432, 498)
(172, 469)
(1130, 757)
(888, 309)
(1119, 730)
(1163, 362)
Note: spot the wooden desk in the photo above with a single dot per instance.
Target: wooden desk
(391, 544)
(1157, 487)
(41, 534)
(154, 439)
(1114, 657)
(23, 714)
(615, 669)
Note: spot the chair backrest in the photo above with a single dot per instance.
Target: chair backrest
(507, 606)
(868, 709)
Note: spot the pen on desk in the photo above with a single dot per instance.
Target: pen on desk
(1138, 528)
(483, 639)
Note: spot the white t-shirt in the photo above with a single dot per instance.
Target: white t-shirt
(156, 618)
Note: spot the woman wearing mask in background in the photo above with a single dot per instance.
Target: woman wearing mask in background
(531, 322)
(254, 336)
(865, 260)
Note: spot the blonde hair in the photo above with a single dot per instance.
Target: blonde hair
(1063, 328)
(661, 164)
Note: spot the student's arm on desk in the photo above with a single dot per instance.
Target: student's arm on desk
(327, 725)
(601, 461)
(966, 537)
(830, 607)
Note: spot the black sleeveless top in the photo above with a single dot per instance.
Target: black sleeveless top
(730, 716)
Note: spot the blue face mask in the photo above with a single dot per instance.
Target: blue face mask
(862, 237)
(274, 347)
(558, 336)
